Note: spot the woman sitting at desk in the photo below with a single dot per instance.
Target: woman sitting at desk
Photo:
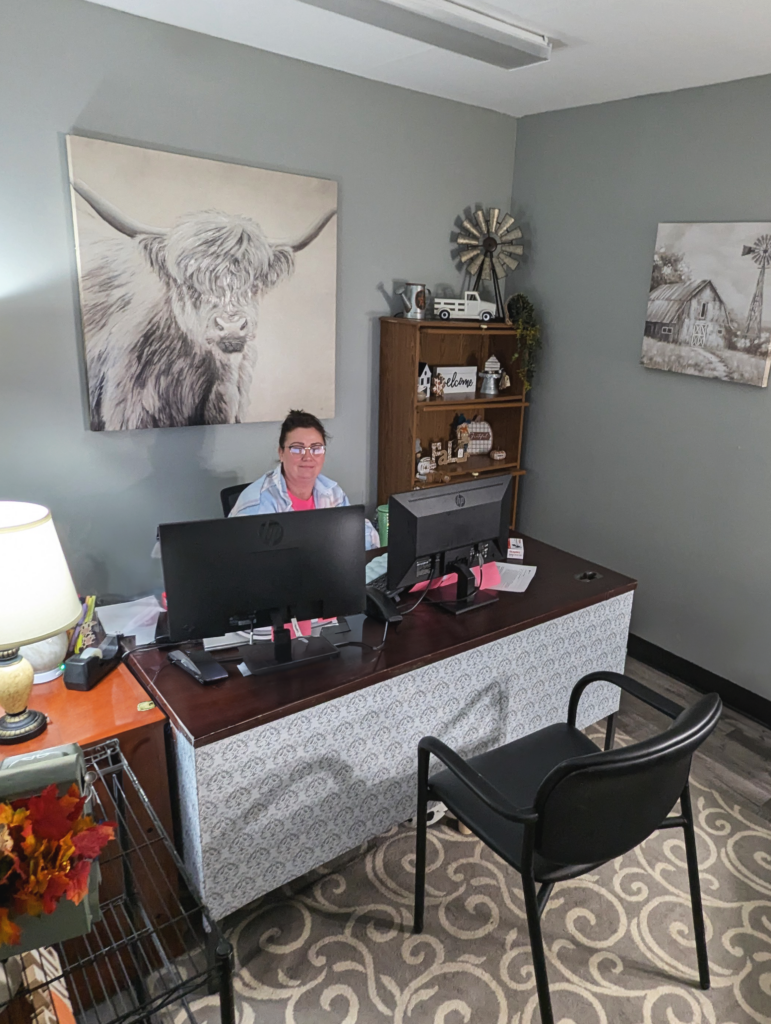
(296, 484)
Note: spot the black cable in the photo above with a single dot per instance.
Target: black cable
(360, 643)
(428, 587)
(156, 645)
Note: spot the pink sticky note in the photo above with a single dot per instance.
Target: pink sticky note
(305, 627)
(490, 577)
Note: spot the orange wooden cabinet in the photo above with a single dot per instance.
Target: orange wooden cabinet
(110, 710)
(405, 418)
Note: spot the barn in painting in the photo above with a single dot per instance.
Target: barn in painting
(691, 313)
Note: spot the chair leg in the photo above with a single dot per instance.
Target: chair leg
(420, 841)
(536, 946)
(693, 881)
(610, 731)
(543, 896)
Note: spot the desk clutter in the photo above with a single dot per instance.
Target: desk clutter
(95, 640)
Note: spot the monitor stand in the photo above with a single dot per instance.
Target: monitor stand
(262, 658)
(464, 597)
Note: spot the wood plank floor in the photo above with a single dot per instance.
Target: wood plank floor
(737, 756)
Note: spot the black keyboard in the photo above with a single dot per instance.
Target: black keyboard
(379, 583)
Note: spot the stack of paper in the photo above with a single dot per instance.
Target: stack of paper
(515, 579)
(132, 618)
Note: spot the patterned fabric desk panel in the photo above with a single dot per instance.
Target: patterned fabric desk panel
(262, 807)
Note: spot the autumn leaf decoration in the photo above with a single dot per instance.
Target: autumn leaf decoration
(47, 846)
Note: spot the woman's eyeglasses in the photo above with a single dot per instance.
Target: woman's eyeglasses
(298, 450)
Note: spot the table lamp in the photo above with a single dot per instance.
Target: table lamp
(37, 600)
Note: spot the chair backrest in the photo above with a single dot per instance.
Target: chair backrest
(596, 807)
(229, 496)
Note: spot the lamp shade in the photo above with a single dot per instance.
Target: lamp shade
(37, 595)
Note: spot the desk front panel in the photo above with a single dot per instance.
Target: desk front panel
(264, 806)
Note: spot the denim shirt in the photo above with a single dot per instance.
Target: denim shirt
(269, 494)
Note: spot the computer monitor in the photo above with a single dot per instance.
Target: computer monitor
(439, 530)
(222, 575)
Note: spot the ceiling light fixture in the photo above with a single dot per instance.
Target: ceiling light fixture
(478, 30)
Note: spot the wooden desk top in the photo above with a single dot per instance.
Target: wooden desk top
(205, 714)
(108, 710)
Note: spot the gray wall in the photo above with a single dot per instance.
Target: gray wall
(662, 476)
(406, 164)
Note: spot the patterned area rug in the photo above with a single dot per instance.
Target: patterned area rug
(336, 946)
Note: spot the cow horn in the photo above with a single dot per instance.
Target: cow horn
(111, 214)
(314, 233)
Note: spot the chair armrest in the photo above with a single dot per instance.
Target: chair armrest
(477, 783)
(638, 690)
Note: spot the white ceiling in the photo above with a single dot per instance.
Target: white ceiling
(605, 49)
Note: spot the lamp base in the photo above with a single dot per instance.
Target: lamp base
(19, 722)
(24, 726)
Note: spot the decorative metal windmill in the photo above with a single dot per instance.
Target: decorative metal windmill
(489, 248)
(761, 255)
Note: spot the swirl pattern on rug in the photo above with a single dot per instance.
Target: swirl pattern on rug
(336, 946)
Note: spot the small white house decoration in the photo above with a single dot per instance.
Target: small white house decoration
(424, 380)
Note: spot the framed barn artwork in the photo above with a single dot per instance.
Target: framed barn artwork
(707, 315)
(207, 289)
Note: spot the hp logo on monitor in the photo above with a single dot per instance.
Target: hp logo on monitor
(271, 533)
(460, 501)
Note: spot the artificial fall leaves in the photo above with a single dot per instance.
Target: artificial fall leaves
(46, 848)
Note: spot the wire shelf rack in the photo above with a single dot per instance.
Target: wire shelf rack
(155, 946)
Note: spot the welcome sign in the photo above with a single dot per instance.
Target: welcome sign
(458, 380)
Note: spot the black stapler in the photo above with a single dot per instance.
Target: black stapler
(200, 665)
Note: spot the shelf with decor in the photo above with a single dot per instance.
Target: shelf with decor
(457, 475)
(406, 418)
(497, 401)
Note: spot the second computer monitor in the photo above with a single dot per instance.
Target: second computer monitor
(431, 528)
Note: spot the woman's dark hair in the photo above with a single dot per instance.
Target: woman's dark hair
(297, 419)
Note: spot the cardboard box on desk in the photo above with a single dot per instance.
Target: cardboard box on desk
(26, 775)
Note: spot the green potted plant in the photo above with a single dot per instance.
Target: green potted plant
(520, 312)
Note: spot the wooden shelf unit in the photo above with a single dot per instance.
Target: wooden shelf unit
(404, 417)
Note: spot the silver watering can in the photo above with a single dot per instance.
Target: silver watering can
(415, 298)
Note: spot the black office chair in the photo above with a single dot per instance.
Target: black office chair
(554, 806)
(229, 496)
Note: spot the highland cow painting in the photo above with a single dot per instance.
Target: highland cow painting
(207, 289)
(708, 311)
